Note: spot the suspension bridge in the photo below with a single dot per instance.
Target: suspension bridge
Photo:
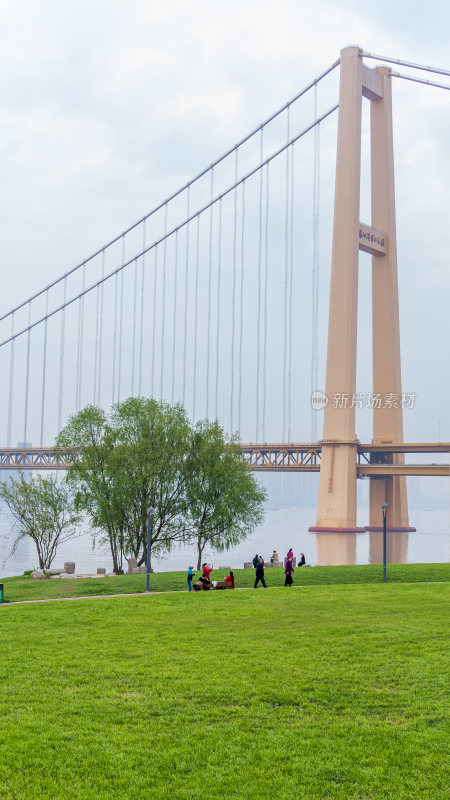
(202, 302)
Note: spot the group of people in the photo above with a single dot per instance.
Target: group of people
(204, 582)
(258, 563)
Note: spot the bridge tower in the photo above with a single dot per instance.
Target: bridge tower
(336, 511)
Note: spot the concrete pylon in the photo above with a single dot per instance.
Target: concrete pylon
(387, 377)
(336, 508)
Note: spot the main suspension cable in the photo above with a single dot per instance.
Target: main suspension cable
(178, 192)
(419, 80)
(401, 63)
(181, 225)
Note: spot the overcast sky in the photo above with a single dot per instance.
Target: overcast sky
(108, 107)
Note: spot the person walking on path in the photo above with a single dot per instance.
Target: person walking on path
(288, 571)
(190, 574)
(260, 573)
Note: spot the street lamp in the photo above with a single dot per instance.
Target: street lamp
(150, 512)
(385, 509)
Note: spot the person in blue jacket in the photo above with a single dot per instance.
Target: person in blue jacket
(190, 574)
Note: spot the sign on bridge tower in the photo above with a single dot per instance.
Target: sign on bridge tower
(336, 509)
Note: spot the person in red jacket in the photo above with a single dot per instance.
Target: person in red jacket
(206, 571)
(229, 580)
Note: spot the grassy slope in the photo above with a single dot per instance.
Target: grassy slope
(25, 588)
(315, 693)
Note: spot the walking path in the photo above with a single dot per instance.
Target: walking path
(185, 591)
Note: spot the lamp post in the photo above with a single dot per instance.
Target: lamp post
(385, 509)
(150, 512)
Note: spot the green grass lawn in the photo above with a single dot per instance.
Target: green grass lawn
(327, 691)
(25, 588)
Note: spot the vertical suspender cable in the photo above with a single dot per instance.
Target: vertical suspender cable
(197, 259)
(119, 367)
(317, 251)
(163, 321)
(80, 341)
(100, 343)
(155, 288)
(27, 378)
(233, 300)
(61, 357)
(11, 381)
(241, 306)
(44, 370)
(133, 347)
(186, 291)
(142, 310)
(97, 333)
(291, 282)
(116, 302)
(258, 319)
(266, 274)
(315, 278)
(174, 327)
(286, 274)
(219, 265)
(208, 337)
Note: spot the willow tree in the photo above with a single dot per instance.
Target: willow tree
(130, 459)
(43, 510)
(224, 502)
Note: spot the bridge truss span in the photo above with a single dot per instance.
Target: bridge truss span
(373, 460)
(282, 457)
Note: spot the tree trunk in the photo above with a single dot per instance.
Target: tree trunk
(200, 549)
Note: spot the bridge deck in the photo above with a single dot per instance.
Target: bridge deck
(375, 460)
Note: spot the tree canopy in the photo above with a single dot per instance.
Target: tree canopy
(143, 454)
(224, 501)
(131, 459)
(43, 511)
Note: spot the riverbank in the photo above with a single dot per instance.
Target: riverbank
(25, 588)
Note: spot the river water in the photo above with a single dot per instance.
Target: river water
(284, 526)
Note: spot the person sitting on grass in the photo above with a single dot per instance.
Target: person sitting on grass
(301, 561)
(229, 581)
(202, 583)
